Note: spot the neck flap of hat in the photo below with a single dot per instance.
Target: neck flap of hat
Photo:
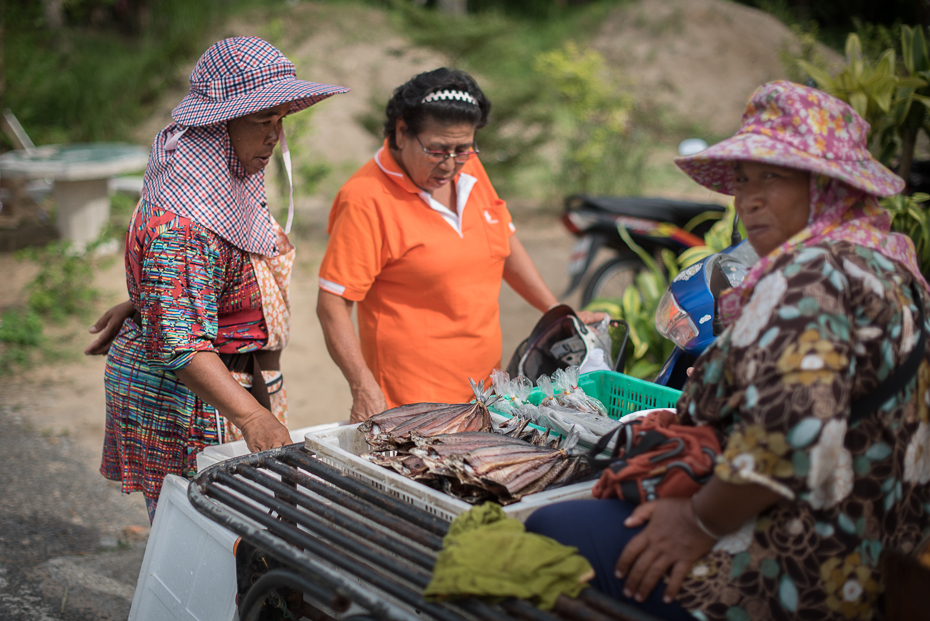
(194, 172)
(839, 212)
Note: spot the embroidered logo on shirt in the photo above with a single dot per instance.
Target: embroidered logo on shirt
(487, 216)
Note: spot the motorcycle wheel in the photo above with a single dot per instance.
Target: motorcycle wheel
(611, 279)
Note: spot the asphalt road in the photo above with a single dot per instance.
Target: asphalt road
(70, 543)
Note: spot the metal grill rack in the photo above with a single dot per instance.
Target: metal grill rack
(344, 542)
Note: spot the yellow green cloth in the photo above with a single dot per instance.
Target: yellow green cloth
(489, 554)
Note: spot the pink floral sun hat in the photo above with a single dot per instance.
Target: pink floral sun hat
(795, 126)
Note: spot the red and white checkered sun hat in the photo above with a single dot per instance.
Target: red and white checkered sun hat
(241, 75)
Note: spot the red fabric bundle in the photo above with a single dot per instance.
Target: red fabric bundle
(657, 458)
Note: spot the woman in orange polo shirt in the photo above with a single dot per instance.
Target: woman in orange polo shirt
(421, 241)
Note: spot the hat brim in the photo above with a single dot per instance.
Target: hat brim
(195, 110)
(713, 167)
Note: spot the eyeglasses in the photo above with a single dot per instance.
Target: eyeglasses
(436, 157)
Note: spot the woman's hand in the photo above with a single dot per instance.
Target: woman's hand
(672, 540)
(262, 431)
(366, 402)
(588, 318)
(107, 327)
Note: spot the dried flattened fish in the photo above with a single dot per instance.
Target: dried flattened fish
(389, 419)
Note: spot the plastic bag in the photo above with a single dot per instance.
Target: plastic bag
(599, 358)
(570, 395)
(548, 390)
(502, 387)
(512, 392)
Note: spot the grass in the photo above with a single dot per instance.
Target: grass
(86, 82)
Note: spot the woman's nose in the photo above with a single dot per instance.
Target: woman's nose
(447, 164)
(747, 200)
(273, 135)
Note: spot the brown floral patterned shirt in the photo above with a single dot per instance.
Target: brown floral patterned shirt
(822, 329)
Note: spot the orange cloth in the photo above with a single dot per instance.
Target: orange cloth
(426, 280)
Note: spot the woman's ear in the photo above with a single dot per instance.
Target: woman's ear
(400, 133)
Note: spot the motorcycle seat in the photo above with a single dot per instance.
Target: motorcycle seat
(660, 209)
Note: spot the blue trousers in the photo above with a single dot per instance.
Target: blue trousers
(596, 528)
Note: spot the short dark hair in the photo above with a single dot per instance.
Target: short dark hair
(406, 103)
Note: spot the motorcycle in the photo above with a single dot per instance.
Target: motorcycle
(653, 224)
(687, 312)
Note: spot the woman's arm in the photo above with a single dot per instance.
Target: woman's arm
(335, 315)
(209, 379)
(521, 274)
(674, 540)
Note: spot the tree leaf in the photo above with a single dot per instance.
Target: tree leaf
(853, 49)
(860, 103)
(922, 99)
(821, 77)
(883, 91)
(885, 66)
(911, 82)
(692, 255)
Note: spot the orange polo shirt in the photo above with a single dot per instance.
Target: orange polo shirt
(426, 280)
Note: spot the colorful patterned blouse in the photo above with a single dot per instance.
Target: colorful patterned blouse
(827, 325)
(172, 268)
(195, 292)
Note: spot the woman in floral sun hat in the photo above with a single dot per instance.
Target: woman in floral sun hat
(818, 390)
(196, 357)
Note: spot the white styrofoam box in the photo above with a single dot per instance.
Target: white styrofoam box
(189, 570)
(342, 446)
(221, 452)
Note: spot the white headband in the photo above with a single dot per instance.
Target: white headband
(458, 95)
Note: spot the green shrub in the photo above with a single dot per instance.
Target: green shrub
(62, 287)
(647, 349)
(20, 335)
(499, 47)
(893, 97)
(596, 129)
(94, 81)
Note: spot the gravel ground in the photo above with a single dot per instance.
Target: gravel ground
(70, 543)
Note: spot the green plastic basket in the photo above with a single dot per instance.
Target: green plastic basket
(620, 394)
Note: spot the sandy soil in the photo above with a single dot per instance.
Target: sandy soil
(67, 397)
(699, 59)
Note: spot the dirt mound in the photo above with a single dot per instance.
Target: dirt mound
(699, 59)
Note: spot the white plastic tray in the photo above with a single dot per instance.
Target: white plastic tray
(221, 452)
(342, 446)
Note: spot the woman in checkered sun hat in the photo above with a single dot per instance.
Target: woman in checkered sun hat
(195, 359)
